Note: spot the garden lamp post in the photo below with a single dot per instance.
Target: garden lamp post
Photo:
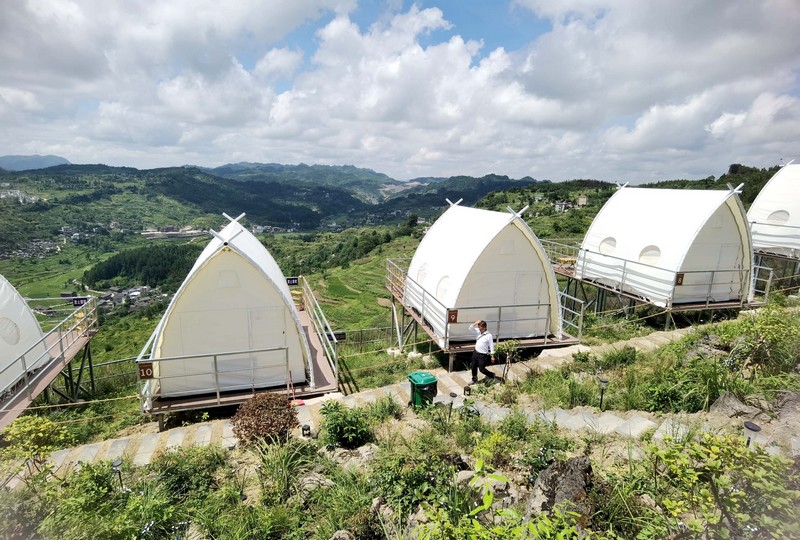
(603, 385)
(453, 396)
(750, 430)
(117, 468)
(306, 430)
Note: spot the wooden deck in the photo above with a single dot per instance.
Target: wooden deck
(25, 394)
(324, 383)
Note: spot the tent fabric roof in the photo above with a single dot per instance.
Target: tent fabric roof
(439, 249)
(19, 331)
(239, 239)
(235, 236)
(667, 218)
(775, 214)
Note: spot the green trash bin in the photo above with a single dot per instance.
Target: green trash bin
(423, 388)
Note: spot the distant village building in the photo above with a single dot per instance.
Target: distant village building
(583, 200)
(562, 206)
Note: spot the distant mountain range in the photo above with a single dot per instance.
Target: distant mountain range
(86, 199)
(26, 163)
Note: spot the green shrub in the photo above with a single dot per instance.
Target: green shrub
(280, 465)
(343, 426)
(385, 407)
(33, 436)
(544, 446)
(496, 449)
(720, 488)
(188, 472)
(264, 416)
(406, 479)
(616, 358)
(468, 430)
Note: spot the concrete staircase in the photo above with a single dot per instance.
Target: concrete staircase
(141, 448)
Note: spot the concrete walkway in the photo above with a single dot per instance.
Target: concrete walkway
(142, 448)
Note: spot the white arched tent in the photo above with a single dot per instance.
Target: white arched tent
(670, 246)
(233, 304)
(775, 214)
(485, 265)
(21, 341)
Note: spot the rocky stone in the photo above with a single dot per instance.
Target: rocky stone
(313, 481)
(729, 405)
(343, 535)
(357, 458)
(563, 482)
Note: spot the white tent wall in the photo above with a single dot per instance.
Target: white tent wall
(510, 274)
(20, 334)
(643, 238)
(234, 299)
(775, 214)
(475, 261)
(718, 246)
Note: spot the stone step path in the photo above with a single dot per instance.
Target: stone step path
(633, 424)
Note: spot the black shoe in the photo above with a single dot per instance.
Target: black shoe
(474, 380)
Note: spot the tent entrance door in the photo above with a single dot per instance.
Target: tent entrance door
(267, 329)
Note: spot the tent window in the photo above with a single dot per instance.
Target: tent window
(228, 279)
(608, 245)
(650, 255)
(422, 272)
(441, 288)
(778, 216)
(9, 331)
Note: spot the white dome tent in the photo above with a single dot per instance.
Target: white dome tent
(20, 335)
(775, 214)
(670, 246)
(479, 264)
(231, 326)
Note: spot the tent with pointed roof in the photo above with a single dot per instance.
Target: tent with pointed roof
(486, 265)
(233, 304)
(670, 246)
(775, 214)
(20, 336)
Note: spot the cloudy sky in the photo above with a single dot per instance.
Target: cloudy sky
(619, 90)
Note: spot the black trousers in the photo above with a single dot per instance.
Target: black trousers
(479, 363)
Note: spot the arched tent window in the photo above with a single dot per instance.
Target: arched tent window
(778, 217)
(9, 331)
(608, 245)
(650, 255)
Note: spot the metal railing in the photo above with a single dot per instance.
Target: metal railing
(762, 282)
(655, 284)
(322, 329)
(150, 382)
(504, 321)
(22, 373)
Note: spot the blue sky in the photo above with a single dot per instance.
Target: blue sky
(619, 90)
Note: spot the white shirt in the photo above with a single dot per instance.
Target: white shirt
(484, 344)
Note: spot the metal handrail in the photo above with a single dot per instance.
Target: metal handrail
(146, 392)
(429, 306)
(75, 326)
(322, 328)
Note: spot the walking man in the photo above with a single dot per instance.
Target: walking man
(484, 348)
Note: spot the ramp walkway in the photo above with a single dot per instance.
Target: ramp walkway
(61, 346)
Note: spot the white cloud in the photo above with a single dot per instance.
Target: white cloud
(616, 89)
